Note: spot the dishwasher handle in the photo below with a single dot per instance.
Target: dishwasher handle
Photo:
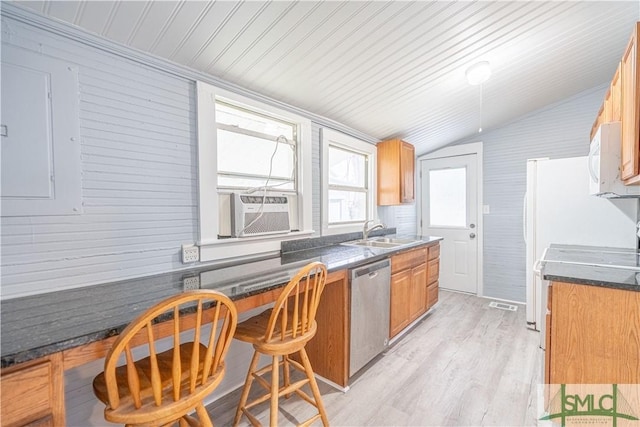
(370, 269)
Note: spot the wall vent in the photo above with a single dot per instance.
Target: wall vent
(503, 306)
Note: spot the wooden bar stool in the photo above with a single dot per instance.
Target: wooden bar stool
(281, 332)
(164, 387)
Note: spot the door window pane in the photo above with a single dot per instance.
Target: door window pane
(347, 206)
(448, 197)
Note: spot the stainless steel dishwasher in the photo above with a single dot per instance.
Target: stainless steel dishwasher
(370, 294)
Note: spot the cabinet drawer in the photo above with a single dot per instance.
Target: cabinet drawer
(432, 294)
(27, 395)
(433, 270)
(408, 260)
(434, 252)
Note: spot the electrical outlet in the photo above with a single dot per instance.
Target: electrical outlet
(191, 283)
(190, 253)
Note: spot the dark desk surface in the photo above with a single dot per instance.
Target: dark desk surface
(592, 265)
(38, 325)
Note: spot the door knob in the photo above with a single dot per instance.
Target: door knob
(472, 235)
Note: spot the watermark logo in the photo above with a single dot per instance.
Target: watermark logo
(592, 404)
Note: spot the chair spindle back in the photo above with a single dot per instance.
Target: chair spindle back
(202, 360)
(295, 310)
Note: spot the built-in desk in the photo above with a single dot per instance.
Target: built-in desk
(44, 335)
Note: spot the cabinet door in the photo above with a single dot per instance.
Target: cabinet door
(594, 335)
(407, 171)
(629, 111)
(418, 291)
(597, 122)
(400, 299)
(616, 96)
(434, 270)
(432, 294)
(33, 394)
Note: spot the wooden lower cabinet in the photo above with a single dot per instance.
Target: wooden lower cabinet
(329, 350)
(33, 393)
(432, 294)
(400, 302)
(414, 286)
(418, 299)
(593, 335)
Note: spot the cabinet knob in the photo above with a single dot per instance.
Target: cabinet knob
(472, 235)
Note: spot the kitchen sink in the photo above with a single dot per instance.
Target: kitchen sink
(393, 240)
(381, 242)
(373, 244)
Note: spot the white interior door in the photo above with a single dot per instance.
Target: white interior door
(450, 210)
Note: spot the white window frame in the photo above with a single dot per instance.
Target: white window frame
(331, 137)
(211, 247)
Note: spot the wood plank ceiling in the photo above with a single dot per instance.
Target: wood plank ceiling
(385, 68)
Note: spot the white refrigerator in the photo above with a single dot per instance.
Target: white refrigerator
(559, 209)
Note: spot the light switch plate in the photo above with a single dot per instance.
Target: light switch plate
(190, 253)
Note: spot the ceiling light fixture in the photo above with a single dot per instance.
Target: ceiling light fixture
(478, 73)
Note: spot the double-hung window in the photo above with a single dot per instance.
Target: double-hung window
(254, 150)
(349, 175)
(249, 147)
(348, 192)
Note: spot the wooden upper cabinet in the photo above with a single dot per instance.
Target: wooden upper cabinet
(629, 111)
(606, 110)
(598, 122)
(396, 172)
(407, 171)
(616, 96)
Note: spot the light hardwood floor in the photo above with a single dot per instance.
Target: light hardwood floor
(465, 364)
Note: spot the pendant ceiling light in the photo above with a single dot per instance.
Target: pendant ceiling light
(478, 73)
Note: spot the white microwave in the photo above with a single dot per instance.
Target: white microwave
(605, 163)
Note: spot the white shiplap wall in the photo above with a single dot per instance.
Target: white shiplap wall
(401, 217)
(139, 188)
(139, 176)
(557, 131)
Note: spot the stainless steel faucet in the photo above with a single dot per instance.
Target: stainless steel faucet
(366, 231)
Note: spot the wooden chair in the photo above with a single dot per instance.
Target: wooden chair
(281, 332)
(164, 387)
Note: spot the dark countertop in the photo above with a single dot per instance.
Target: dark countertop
(616, 268)
(38, 325)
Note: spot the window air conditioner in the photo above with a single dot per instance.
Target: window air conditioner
(246, 208)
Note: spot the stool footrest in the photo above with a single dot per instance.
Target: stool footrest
(310, 421)
(293, 387)
(306, 397)
(296, 365)
(284, 390)
(262, 382)
(253, 420)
